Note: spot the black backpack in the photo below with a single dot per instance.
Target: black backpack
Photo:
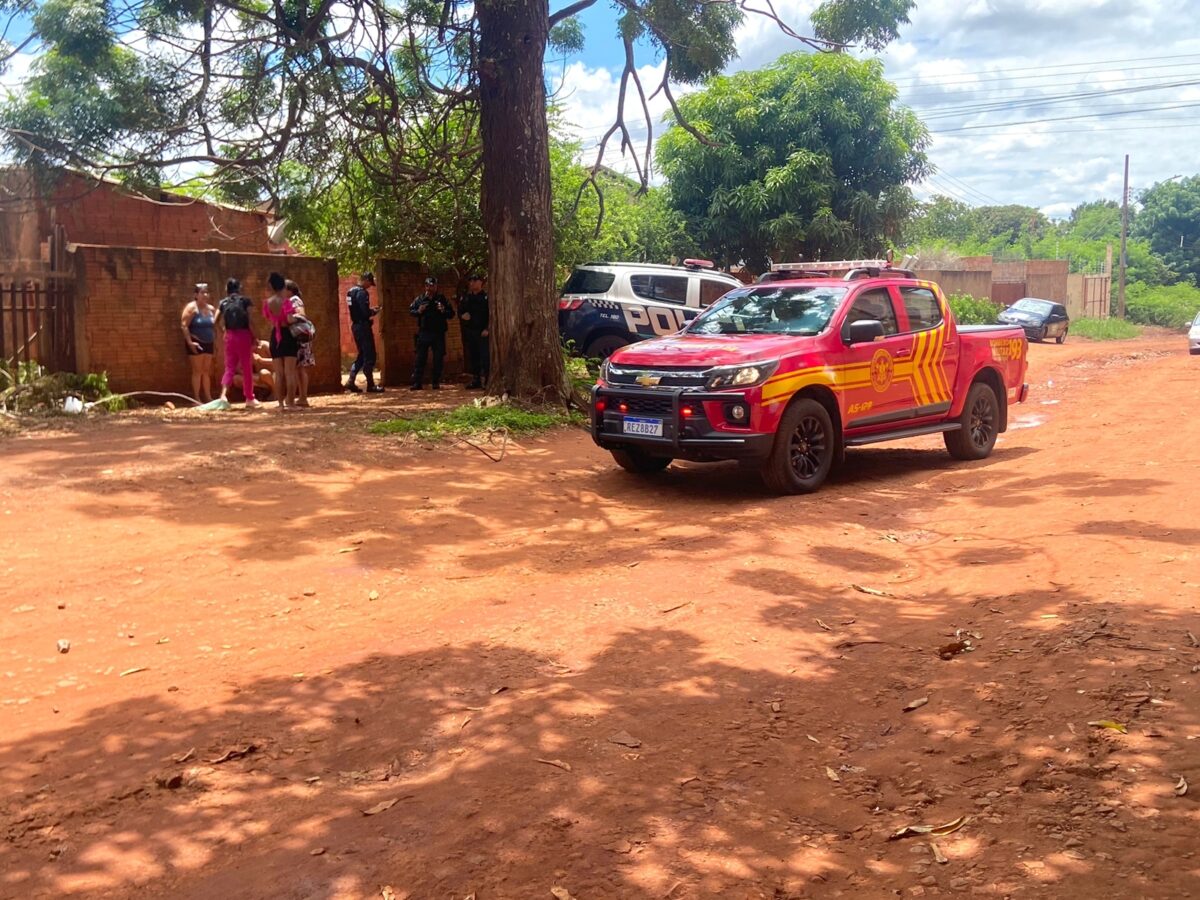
(235, 311)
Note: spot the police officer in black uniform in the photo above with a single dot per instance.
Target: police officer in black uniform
(473, 315)
(432, 311)
(362, 314)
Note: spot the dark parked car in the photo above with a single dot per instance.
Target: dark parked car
(1041, 319)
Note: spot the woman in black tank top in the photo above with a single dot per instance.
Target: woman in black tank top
(198, 323)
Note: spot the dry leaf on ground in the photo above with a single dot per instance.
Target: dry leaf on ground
(874, 592)
(625, 739)
(184, 757)
(916, 704)
(1181, 787)
(1109, 724)
(557, 763)
(235, 753)
(133, 671)
(938, 855)
(832, 775)
(813, 739)
(938, 830)
(823, 625)
(382, 806)
(561, 893)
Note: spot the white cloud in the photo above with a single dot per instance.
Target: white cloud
(957, 56)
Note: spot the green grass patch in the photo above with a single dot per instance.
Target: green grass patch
(470, 419)
(1105, 329)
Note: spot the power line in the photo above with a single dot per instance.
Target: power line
(964, 78)
(956, 96)
(1003, 105)
(1098, 115)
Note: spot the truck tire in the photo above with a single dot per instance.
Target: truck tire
(803, 452)
(604, 346)
(980, 421)
(639, 461)
(1062, 338)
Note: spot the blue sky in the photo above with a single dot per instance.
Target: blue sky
(1010, 89)
(1029, 101)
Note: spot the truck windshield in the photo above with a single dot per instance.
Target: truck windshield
(800, 310)
(1030, 305)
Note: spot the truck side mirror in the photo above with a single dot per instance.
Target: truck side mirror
(864, 331)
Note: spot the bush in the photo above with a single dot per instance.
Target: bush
(471, 419)
(970, 310)
(1174, 306)
(1105, 329)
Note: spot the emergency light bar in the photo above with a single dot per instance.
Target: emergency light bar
(698, 263)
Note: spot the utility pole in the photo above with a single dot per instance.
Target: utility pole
(1124, 236)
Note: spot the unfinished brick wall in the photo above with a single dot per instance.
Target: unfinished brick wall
(102, 213)
(129, 300)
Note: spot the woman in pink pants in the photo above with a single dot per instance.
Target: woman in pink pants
(234, 315)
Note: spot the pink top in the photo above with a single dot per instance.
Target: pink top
(280, 321)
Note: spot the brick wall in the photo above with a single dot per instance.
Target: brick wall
(129, 300)
(95, 213)
(398, 283)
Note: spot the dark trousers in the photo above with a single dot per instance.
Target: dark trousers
(364, 340)
(476, 351)
(426, 343)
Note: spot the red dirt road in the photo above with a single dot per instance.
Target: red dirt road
(544, 673)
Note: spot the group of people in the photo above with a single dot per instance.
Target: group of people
(281, 364)
(433, 313)
(288, 348)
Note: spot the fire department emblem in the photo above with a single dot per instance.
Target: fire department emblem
(881, 371)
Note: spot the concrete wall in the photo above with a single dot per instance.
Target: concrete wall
(1047, 278)
(977, 282)
(129, 300)
(1088, 295)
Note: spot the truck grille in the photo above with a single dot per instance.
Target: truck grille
(681, 377)
(656, 406)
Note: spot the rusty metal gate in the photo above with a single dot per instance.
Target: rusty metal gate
(37, 320)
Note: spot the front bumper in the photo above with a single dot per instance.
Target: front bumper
(684, 437)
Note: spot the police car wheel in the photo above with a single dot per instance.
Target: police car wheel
(640, 462)
(804, 451)
(604, 346)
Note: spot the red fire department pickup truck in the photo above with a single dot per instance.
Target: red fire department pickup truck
(785, 375)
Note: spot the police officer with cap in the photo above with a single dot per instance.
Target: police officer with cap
(473, 315)
(362, 314)
(432, 311)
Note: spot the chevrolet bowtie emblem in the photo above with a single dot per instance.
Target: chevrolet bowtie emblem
(648, 380)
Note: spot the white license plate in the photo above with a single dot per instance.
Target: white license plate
(648, 427)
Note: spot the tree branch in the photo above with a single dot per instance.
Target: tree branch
(567, 11)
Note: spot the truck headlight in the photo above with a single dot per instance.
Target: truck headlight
(740, 376)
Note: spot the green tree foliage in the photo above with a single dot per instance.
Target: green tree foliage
(1169, 221)
(809, 156)
(303, 102)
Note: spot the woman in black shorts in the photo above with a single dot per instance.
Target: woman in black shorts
(198, 323)
(280, 312)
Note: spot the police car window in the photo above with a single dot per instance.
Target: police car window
(588, 281)
(663, 288)
(922, 308)
(711, 291)
(799, 310)
(876, 305)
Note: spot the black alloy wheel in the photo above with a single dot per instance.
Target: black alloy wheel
(804, 450)
(979, 425)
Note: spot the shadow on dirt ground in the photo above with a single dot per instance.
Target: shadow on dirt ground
(652, 768)
(445, 678)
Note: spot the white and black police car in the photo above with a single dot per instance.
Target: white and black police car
(606, 305)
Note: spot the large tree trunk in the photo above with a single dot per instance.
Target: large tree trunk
(526, 356)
